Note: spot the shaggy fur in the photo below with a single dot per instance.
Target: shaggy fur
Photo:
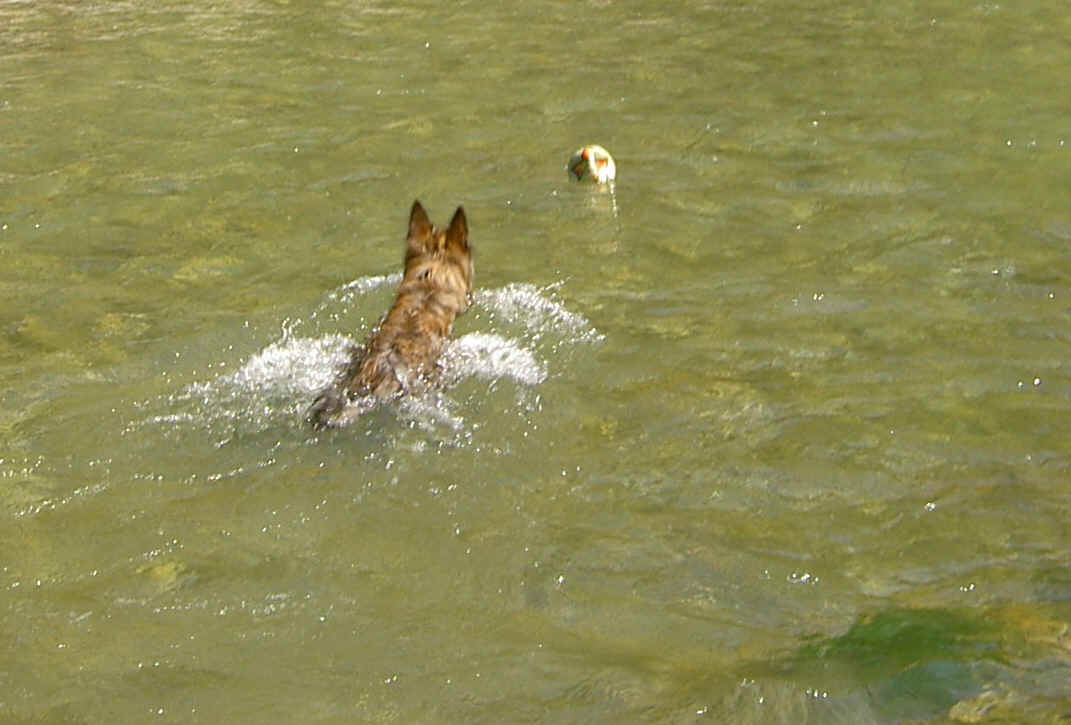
(402, 352)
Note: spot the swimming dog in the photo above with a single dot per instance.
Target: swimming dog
(402, 352)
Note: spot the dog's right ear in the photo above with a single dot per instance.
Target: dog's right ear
(419, 224)
(457, 234)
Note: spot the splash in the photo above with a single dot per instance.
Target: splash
(362, 286)
(537, 310)
(491, 357)
(291, 366)
(271, 385)
(524, 333)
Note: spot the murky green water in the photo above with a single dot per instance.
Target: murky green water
(779, 432)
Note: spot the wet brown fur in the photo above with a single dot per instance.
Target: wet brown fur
(402, 352)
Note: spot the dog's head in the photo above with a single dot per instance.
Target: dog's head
(441, 257)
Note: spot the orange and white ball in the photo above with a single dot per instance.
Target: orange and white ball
(594, 163)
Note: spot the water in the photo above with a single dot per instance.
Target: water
(778, 432)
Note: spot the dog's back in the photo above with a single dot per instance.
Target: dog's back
(401, 354)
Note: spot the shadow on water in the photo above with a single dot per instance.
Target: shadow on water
(922, 665)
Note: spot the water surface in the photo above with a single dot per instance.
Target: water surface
(775, 432)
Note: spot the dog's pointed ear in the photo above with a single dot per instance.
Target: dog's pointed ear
(458, 232)
(419, 224)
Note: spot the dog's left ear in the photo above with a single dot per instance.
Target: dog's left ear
(419, 224)
(458, 232)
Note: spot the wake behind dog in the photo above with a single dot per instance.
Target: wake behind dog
(402, 353)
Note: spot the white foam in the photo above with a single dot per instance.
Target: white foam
(531, 306)
(489, 356)
(364, 285)
(290, 366)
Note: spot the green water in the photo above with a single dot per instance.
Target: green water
(777, 432)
